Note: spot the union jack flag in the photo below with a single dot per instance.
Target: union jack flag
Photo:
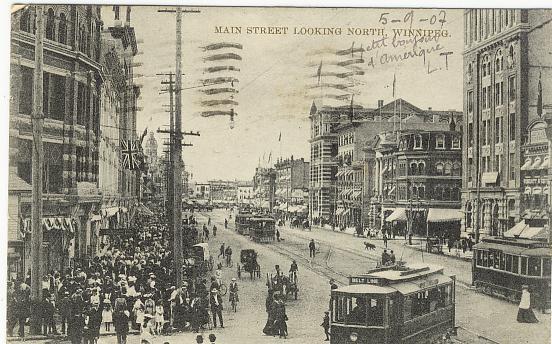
(130, 153)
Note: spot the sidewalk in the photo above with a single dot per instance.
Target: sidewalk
(418, 243)
(56, 338)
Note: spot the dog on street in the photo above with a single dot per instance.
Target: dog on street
(369, 246)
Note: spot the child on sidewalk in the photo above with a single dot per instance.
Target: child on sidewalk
(107, 315)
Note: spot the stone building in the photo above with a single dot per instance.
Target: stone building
(504, 62)
(73, 78)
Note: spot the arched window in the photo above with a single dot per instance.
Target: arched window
(439, 169)
(448, 169)
(413, 168)
(456, 169)
(456, 142)
(25, 21)
(440, 142)
(50, 25)
(498, 62)
(62, 36)
(421, 168)
(485, 66)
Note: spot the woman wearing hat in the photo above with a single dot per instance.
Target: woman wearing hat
(525, 313)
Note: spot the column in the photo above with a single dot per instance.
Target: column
(487, 217)
(69, 147)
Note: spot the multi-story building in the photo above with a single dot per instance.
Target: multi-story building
(73, 77)
(419, 179)
(503, 65)
(264, 188)
(202, 190)
(323, 166)
(222, 191)
(356, 157)
(244, 193)
(292, 178)
(535, 182)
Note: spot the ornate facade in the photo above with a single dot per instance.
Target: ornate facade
(503, 62)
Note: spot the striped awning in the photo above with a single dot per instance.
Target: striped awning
(443, 215)
(399, 214)
(51, 223)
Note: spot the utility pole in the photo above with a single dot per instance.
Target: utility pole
(37, 167)
(177, 170)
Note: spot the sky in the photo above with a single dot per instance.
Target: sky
(278, 77)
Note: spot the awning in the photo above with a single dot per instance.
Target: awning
(526, 165)
(96, 217)
(356, 194)
(339, 211)
(265, 204)
(545, 163)
(303, 209)
(50, 223)
(340, 173)
(108, 212)
(516, 230)
(489, 177)
(527, 190)
(145, 210)
(399, 214)
(536, 190)
(522, 230)
(391, 190)
(443, 215)
(537, 164)
(346, 212)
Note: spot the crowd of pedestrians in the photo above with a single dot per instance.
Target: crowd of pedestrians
(128, 286)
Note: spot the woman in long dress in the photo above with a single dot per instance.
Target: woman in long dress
(525, 313)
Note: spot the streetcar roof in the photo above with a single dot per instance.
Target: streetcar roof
(364, 289)
(514, 250)
(414, 271)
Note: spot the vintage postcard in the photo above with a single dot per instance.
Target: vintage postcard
(279, 174)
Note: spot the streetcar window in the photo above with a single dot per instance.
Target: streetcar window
(479, 258)
(524, 265)
(485, 258)
(359, 311)
(546, 267)
(515, 264)
(509, 263)
(534, 266)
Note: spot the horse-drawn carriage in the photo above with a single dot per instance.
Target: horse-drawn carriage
(248, 260)
(262, 229)
(283, 285)
(202, 258)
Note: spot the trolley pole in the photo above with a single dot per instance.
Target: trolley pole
(37, 167)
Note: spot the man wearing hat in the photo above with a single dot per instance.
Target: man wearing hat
(216, 307)
(326, 325)
(233, 292)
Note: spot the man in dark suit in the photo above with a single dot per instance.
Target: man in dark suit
(216, 307)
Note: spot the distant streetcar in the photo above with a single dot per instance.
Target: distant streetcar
(500, 267)
(398, 304)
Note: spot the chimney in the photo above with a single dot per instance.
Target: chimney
(127, 21)
(380, 103)
(117, 21)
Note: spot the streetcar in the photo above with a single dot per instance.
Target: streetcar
(262, 229)
(395, 304)
(242, 223)
(501, 266)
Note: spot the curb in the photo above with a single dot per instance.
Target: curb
(410, 247)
